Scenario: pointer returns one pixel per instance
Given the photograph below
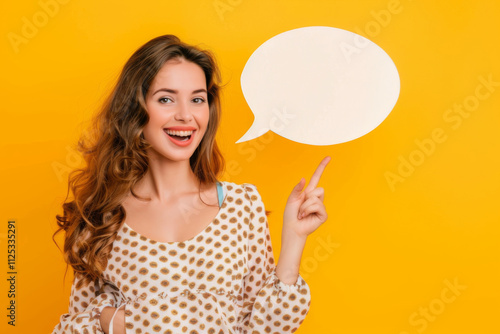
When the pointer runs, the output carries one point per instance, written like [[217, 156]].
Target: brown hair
[[115, 154]]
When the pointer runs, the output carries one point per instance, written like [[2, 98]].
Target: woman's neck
[[166, 179]]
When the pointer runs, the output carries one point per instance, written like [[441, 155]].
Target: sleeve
[[269, 305], [85, 306]]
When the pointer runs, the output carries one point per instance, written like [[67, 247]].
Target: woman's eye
[[198, 100], [164, 99]]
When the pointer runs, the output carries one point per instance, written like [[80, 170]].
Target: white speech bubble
[[319, 86]]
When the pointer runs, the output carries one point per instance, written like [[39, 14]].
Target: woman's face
[[178, 110]]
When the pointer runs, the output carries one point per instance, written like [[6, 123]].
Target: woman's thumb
[[298, 187]]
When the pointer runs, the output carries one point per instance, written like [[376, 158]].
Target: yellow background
[[386, 253]]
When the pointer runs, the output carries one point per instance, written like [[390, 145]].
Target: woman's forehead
[[180, 75]]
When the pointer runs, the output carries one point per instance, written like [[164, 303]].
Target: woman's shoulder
[[248, 190], [239, 187]]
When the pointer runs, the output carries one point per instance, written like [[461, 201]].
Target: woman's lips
[[181, 143]]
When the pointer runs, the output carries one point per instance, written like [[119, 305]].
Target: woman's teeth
[[181, 135]]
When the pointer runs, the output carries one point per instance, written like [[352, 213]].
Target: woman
[[136, 232]]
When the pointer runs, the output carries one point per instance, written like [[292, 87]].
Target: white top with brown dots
[[221, 281]]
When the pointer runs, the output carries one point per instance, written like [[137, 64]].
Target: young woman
[[157, 243]]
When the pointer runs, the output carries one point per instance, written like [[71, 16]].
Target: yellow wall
[[412, 205]]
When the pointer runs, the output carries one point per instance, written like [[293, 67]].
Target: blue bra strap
[[220, 193]]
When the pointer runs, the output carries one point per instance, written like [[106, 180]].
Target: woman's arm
[[304, 213], [86, 306], [118, 320], [269, 304], [288, 265]]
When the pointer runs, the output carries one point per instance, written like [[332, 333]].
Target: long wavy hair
[[115, 156]]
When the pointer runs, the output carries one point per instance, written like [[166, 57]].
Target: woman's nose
[[183, 112]]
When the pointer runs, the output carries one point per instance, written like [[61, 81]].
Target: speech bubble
[[319, 86]]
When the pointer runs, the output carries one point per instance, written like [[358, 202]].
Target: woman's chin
[[170, 156]]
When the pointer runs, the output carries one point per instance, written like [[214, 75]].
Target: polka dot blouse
[[221, 281]]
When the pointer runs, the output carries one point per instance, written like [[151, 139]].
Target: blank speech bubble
[[319, 86]]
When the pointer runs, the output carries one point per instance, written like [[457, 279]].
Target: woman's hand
[[305, 211], [118, 321]]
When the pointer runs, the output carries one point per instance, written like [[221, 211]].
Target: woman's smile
[[180, 138]]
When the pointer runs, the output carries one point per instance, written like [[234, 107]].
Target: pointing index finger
[[317, 174]]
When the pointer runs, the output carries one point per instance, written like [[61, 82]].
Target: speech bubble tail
[[255, 131]]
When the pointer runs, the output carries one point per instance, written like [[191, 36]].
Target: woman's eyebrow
[[173, 91]]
